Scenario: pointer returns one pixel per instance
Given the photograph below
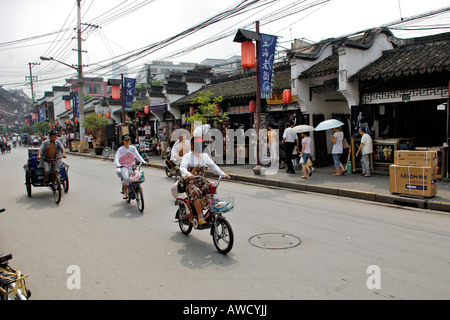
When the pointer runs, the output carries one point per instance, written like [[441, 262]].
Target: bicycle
[[135, 188], [12, 282], [57, 181], [109, 153]]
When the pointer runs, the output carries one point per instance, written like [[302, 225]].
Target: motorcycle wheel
[[168, 173], [222, 235], [185, 225]]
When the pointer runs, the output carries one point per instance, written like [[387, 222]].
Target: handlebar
[[2, 210], [133, 166], [206, 181]]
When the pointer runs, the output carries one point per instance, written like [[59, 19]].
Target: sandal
[[201, 221], [303, 177], [336, 174]]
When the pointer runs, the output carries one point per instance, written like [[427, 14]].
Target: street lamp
[[80, 93]]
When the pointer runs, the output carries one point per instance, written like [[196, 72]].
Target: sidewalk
[[374, 188]]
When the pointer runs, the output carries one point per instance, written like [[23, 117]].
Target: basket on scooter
[[221, 203]]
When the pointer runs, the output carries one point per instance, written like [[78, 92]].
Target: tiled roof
[[240, 87], [328, 66], [408, 61]]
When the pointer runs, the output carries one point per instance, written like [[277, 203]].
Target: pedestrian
[[337, 137], [366, 150], [163, 142], [290, 141], [305, 155], [272, 136]]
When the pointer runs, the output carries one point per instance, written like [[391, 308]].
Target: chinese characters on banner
[[130, 85], [42, 114], [267, 56], [76, 108]]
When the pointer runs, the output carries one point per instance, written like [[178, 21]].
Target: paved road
[[121, 254]]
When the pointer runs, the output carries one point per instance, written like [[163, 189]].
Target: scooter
[[171, 168], [221, 230]]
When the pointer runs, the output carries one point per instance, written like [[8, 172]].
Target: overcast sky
[[127, 25]]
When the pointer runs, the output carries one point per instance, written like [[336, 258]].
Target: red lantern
[[108, 115], [68, 105], [252, 106], [248, 55], [287, 96], [115, 90], [76, 121], [192, 110], [146, 110], [217, 109]]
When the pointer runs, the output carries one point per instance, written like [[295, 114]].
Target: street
[[119, 253]]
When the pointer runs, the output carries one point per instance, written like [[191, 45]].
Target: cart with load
[[34, 176]]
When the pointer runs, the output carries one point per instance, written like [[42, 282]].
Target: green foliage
[[28, 129], [42, 127], [206, 111], [93, 122]]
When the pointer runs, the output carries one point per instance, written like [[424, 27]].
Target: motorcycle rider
[[49, 154], [125, 158], [194, 163]]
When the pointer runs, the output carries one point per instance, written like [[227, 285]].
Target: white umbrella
[[201, 130], [329, 124], [302, 128]]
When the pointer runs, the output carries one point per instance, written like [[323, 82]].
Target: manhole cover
[[274, 241]]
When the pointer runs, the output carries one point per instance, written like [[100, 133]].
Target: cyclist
[[125, 158], [194, 163], [50, 153]]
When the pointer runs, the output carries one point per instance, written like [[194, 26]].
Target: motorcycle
[[221, 230], [171, 168]]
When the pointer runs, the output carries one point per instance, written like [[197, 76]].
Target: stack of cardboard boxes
[[414, 173]]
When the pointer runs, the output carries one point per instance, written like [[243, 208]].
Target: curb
[[393, 199]]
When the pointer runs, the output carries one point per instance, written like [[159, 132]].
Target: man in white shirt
[[366, 148], [290, 140]]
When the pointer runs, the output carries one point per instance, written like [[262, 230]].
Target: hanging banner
[[267, 56], [130, 85], [76, 105], [42, 114]]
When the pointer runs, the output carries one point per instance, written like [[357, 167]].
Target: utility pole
[[31, 64], [257, 168], [80, 74]]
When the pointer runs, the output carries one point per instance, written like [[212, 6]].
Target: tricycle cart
[[34, 176]]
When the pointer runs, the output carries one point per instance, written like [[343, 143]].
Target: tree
[[206, 111], [42, 127], [94, 123]]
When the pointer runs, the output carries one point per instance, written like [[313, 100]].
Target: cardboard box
[[413, 180], [416, 158]]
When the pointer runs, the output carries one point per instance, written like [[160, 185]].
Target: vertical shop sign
[[267, 56], [130, 85]]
